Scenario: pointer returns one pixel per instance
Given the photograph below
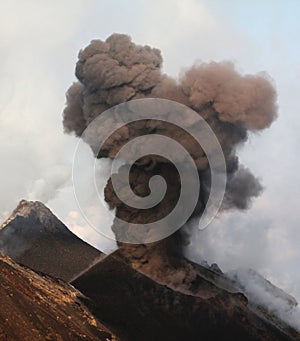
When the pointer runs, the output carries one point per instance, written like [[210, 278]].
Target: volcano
[[135, 296], [35, 237]]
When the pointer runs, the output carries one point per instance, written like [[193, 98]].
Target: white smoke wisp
[[237, 249], [47, 187], [261, 292], [91, 220]]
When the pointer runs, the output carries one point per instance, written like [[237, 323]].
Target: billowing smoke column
[[117, 70]]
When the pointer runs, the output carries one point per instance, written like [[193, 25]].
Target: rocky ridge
[[35, 237]]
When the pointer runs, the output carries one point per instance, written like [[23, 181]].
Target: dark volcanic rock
[[34, 237], [37, 308], [136, 307]]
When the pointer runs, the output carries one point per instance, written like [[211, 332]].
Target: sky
[[40, 41]]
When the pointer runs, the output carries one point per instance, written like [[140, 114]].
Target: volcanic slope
[[38, 307], [143, 309], [35, 237]]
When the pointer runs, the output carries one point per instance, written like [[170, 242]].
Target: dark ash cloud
[[116, 70]]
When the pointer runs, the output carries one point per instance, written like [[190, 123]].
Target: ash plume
[[116, 70]]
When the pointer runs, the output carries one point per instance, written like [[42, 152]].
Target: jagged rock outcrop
[[33, 236], [36, 307]]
